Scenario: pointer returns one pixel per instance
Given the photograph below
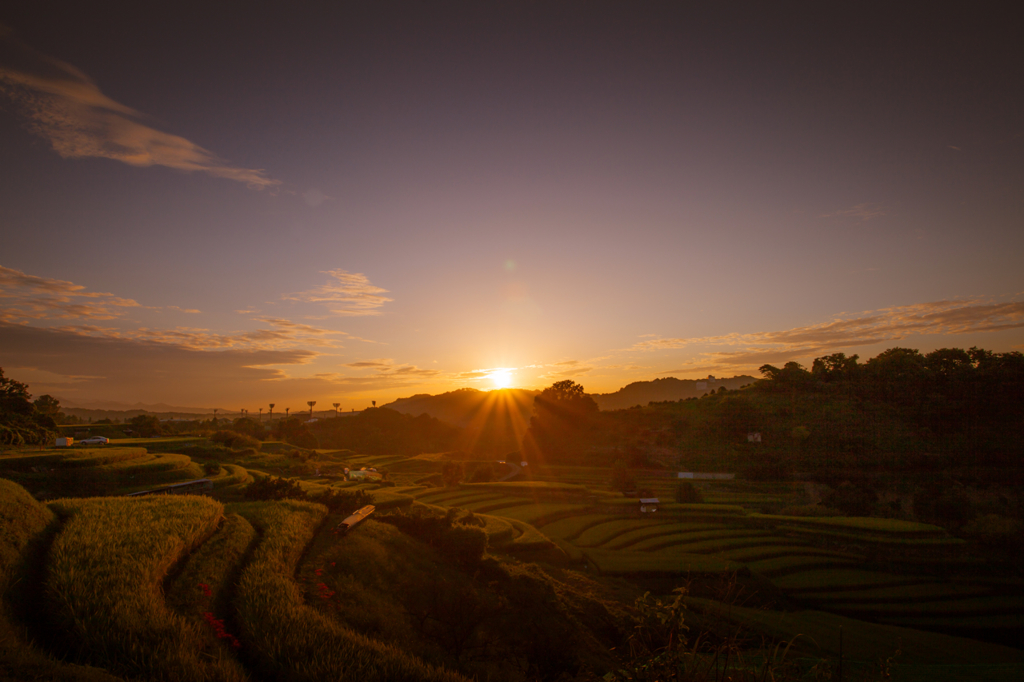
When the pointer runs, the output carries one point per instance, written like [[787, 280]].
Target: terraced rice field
[[237, 565], [818, 561], [232, 606]]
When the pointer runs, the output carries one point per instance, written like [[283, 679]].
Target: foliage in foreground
[[105, 569], [337, 501], [292, 641]]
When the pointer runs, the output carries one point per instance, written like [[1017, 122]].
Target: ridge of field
[[933, 591], [877, 538], [570, 527], [624, 562], [813, 581], [870, 525], [715, 544], [103, 586], [649, 538], [783, 548], [24, 527], [603, 533], [70, 458], [995, 605], [291, 640], [214, 564], [541, 513], [945, 657]]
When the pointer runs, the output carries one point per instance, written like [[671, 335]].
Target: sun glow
[[502, 378]]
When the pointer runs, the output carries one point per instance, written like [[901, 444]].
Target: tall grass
[[213, 565], [289, 640], [104, 586]]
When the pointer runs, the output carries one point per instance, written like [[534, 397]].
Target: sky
[[225, 205]]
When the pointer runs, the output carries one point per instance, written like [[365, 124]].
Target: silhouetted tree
[[562, 420]]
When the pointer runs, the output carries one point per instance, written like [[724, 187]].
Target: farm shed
[[648, 505], [65, 441]]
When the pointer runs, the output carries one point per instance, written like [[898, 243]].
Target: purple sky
[[228, 207]]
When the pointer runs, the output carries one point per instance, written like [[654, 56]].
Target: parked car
[[94, 440]]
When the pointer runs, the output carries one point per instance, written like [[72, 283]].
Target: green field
[[184, 588]]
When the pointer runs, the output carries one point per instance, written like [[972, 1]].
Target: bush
[[482, 474], [235, 440], [274, 488], [687, 493], [992, 529], [452, 473], [851, 500], [621, 478], [337, 501], [464, 543], [946, 505], [768, 468]]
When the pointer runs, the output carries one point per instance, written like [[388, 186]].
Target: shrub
[[687, 493], [235, 440], [337, 501], [211, 468], [621, 478], [452, 473], [768, 468], [274, 488], [482, 474], [851, 500], [465, 544], [992, 529]]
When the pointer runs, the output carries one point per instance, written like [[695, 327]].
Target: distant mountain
[[111, 406], [660, 390]]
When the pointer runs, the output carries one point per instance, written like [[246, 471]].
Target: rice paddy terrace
[[881, 570], [191, 588]]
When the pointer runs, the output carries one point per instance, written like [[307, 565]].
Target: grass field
[[103, 587], [295, 642], [247, 560], [612, 562]]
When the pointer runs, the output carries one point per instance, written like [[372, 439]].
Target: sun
[[502, 378]]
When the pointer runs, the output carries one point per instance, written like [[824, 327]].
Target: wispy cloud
[[66, 108], [350, 293], [29, 297], [861, 329], [386, 367], [565, 370], [863, 212]]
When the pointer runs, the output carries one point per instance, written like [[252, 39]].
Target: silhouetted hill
[[669, 388], [464, 406], [494, 420]]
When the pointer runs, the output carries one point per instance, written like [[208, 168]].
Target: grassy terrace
[[843, 579], [612, 562], [571, 527], [723, 538], [105, 568], [873, 526]]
